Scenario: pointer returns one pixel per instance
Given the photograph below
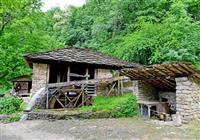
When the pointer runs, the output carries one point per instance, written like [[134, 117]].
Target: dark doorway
[[58, 73]]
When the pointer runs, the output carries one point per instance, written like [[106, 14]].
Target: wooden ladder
[[90, 89]]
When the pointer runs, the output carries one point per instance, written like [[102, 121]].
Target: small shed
[[22, 85], [172, 89]]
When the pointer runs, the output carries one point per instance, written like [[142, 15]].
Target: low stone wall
[[187, 99], [66, 116]]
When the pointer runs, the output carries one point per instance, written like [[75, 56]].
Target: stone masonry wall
[[187, 99], [145, 92], [103, 73], [39, 77]]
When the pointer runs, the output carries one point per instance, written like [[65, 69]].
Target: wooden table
[[149, 104]]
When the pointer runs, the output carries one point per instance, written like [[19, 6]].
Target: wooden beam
[[178, 66], [93, 81], [111, 89], [68, 73], [87, 73], [59, 102]]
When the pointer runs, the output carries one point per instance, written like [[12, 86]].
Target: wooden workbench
[[161, 107]]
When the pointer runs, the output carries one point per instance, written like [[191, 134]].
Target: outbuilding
[[170, 89]]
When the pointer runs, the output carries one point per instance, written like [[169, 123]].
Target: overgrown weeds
[[119, 106]]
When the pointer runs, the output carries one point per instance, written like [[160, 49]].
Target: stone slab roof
[[79, 55]]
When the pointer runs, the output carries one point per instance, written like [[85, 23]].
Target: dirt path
[[100, 129]]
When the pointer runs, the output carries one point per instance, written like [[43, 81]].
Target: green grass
[[12, 118], [119, 106]]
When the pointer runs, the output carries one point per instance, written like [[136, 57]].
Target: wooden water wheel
[[69, 98]]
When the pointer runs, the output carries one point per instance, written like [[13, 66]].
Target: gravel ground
[[97, 129]]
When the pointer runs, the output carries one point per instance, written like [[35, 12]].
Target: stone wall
[[103, 73], [67, 115], [39, 77], [187, 99], [145, 91]]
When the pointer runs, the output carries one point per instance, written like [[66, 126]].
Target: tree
[[26, 31]]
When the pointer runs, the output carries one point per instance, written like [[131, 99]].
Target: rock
[[2, 117]]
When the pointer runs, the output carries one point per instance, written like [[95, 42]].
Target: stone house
[[74, 64], [21, 86], [167, 88]]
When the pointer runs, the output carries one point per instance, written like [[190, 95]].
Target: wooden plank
[[78, 99], [93, 81], [154, 84], [165, 70], [161, 84], [111, 89], [78, 75], [83, 102], [68, 73], [177, 66], [59, 102]]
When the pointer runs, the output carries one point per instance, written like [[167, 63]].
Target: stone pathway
[[97, 129]]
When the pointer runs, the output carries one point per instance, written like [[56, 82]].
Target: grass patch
[[12, 118], [119, 106]]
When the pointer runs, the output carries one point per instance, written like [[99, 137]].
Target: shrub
[[127, 108], [9, 104], [119, 106]]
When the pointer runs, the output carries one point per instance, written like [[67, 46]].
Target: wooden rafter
[[163, 75]]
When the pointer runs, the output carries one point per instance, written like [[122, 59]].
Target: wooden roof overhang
[[163, 75]]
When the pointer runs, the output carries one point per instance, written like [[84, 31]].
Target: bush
[[9, 104], [128, 108], [119, 106]]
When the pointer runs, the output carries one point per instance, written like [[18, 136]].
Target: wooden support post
[[48, 74], [122, 88], [87, 73], [68, 73], [118, 87], [47, 100], [141, 109], [149, 111], [83, 96]]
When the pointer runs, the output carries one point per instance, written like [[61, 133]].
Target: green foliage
[[127, 108], [119, 106], [145, 31], [24, 28], [9, 105]]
